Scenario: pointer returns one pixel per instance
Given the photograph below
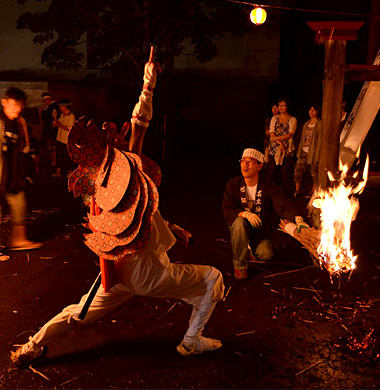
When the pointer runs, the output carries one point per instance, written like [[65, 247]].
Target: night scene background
[[221, 73]]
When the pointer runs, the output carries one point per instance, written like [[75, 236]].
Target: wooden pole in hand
[[151, 54], [105, 275]]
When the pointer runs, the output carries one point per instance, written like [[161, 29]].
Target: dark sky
[[258, 54], [16, 46], [18, 51]]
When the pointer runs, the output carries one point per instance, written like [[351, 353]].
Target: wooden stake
[[288, 272], [306, 369], [39, 373], [70, 380], [242, 334], [171, 308], [228, 291]]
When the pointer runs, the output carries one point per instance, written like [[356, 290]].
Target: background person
[[49, 114], [64, 124], [309, 149], [24, 133], [33, 157], [282, 129], [250, 205], [12, 168], [274, 111]]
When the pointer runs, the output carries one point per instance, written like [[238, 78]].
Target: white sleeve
[[292, 125], [71, 121], [143, 111], [272, 123]]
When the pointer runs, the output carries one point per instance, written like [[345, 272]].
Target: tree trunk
[[335, 53]]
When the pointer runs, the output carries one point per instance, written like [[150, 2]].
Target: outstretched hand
[[301, 224], [150, 75]]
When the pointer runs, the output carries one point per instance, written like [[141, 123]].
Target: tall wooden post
[[373, 32], [335, 56], [334, 35]]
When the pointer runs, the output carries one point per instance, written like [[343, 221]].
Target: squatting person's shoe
[[26, 354], [200, 345], [241, 273]]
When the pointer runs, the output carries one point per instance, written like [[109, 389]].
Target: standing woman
[[274, 111], [309, 148], [282, 129]]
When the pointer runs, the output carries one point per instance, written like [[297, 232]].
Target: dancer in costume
[[129, 235]]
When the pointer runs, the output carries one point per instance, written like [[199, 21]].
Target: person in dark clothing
[[49, 115], [33, 157], [250, 205], [12, 172]]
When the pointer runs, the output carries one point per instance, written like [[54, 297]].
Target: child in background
[[64, 124]]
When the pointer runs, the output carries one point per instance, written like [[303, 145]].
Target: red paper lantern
[[258, 16]]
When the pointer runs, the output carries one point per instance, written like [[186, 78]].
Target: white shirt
[[68, 121], [251, 192], [292, 124]]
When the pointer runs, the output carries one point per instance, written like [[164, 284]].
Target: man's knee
[[215, 276], [239, 223], [264, 251], [215, 284], [70, 314], [239, 227]]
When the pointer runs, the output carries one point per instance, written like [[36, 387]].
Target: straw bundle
[[309, 238]]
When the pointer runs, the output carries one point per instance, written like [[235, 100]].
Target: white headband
[[254, 154]]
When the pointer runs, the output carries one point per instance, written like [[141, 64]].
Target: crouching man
[[250, 205]]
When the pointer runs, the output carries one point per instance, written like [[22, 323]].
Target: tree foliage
[[119, 33]]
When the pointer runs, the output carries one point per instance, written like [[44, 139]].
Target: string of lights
[[307, 10]]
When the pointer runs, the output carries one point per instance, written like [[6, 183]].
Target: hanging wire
[[302, 9]]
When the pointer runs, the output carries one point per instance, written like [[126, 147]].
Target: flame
[[338, 207]]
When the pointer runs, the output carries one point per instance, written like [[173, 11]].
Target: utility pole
[[334, 34]]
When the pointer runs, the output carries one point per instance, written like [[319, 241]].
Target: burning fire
[[338, 208]]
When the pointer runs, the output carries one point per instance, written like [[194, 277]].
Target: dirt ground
[[286, 327]]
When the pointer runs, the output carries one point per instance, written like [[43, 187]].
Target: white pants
[[151, 275], [17, 207]]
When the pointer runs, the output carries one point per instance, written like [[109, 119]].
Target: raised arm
[[143, 110]]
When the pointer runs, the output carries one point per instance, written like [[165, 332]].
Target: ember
[[355, 345], [363, 346]]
